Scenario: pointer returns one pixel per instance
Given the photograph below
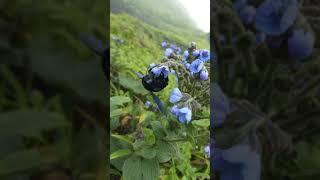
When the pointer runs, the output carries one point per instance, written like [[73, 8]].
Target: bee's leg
[[139, 75], [158, 102]]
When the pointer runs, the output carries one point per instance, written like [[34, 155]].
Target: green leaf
[[10, 144], [122, 138], [308, 157], [132, 84], [164, 151], [18, 90], [158, 129], [30, 122], [114, 123], [20, 161], [116, 145], [89, 150], [119, 100], [201, 123], [137, 168], [203, 175], [147, 152], [138, 144], [149, 137], [116, 112], [150, 169], [132, 169], [120, 153], [63, 68], [147, 116]]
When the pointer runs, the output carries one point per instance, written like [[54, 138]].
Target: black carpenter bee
[[154, 83]]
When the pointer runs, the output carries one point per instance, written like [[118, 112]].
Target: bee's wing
[[94, 44]]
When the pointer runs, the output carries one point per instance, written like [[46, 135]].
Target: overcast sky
[[199, 11]]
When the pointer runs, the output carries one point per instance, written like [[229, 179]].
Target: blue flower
[[172, 46], [168, 52], [147, 104], [187, 65], [247, 14], [207, 150], [160, 69], [204, 55], [184, 115], [175, 110], [184, 62], [172, 71], [164, 44], [175, 96], [196, 66], [185, 54], [195, 53], [301, 44], [238, 162], [274, 17], [178, 50], [220, 106], [204, 75]]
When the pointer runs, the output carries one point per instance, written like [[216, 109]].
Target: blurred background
[[52, 90], [271, 65]]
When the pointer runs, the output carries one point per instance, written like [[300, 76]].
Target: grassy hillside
[[167, 15], [142, 41]]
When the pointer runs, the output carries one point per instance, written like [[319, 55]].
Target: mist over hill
[[169, 15]]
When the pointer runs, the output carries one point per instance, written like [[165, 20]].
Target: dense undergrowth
[[52, 95], [147, 143]]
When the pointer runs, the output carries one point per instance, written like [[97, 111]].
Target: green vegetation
[[146, 144]]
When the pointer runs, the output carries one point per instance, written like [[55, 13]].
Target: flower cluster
[[191, 73], [170, 49], [280, 24], [194, 60], [180, 110]]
